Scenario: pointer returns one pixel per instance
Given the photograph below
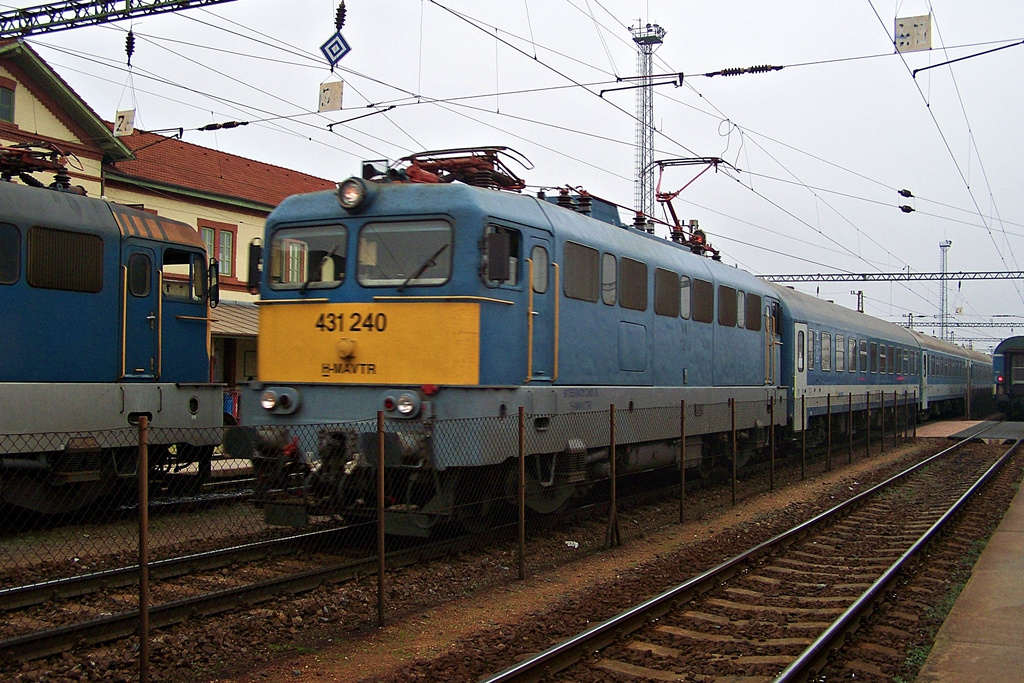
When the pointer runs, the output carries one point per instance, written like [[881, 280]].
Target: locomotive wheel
[[475, 496]]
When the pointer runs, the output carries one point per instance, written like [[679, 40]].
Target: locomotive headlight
[[408, 404], [351, 194], [268, 400]]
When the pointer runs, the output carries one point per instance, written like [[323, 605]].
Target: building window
[[220, 244], [6, 104]]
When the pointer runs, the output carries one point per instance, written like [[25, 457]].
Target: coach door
[[140, 321], [541, 323], [799, 374]]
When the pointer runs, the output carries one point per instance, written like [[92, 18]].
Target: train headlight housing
[[354, 194], [268, 400], [407, 404], [281, 400]]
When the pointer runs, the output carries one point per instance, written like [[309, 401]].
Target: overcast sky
[[821, 146]]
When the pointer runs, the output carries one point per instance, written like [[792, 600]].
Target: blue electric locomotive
[[437, 302], [1008, 377], [104, 316]]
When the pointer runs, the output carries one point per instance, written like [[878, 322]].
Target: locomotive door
[[140, 325], [799, 375], [541, 359]]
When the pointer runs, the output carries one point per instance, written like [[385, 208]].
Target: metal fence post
[[881, 411], [380, 518], [803, 437], [732, 413], [828, 446], [522, 493], [915, 413], [143, 471], [895, 419], [849, 425], [771, 425], [612, 538], [867, 412], [682, 458]]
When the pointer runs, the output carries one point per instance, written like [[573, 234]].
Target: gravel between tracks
[[448, 619]]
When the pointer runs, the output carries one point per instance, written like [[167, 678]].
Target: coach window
[[666, 292], [741, 309], [61, 259], [840, 353], [184, 275], [609, 279], [863, 355], [753, 312], [874, 357], [892, 360], [906, 362], [881, 359], [412, 253], [810, 349], [307, 258], [514, 240], [726, 306], [684, 297], [10, 254], [581, 273], [826, 351], [140, 274], [800, 351], [851, 356]]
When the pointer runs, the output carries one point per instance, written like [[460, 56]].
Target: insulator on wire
[[906, 209], [905, 193], [339, 19], [129, 45]]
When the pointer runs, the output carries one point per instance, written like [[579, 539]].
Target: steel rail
[[569, 652]]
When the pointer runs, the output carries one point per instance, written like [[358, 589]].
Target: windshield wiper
[[325, 259], [423, 266]]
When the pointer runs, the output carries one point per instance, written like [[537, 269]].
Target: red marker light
[[389, 404], [999, 379]]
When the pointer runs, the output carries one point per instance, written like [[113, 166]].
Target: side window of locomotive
[[753, 312], [10, 254], [666, 292], [703, 301], [826, 351], [65, 260], [726, 306], [140, 275], [840, 353], [581, 272], [634, 284], [184, 275], [741, 309], [609, 279], [312, 258], [402, 254], [684, 297], [514, 241], [539, 256], [800, 346]]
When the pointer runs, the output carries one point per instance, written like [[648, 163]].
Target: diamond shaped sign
[[335, 48]]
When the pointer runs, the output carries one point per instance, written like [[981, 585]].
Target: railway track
[[776, 611]]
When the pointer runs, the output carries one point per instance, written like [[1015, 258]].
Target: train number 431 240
[[356, 322]]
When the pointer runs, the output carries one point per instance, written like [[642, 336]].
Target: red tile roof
[[176, 163]]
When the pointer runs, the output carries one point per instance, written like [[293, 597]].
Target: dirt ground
[[431, 633]]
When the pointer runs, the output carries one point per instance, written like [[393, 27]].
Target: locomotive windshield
[[400, 254], [302, 258]]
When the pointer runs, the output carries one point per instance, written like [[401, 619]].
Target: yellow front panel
[[372, 343]]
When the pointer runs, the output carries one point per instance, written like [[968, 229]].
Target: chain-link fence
[[345, 491]]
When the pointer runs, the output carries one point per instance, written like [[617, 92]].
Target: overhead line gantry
[[60, 16]]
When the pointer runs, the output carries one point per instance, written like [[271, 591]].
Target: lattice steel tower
[[943, 312], [647, 38]]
